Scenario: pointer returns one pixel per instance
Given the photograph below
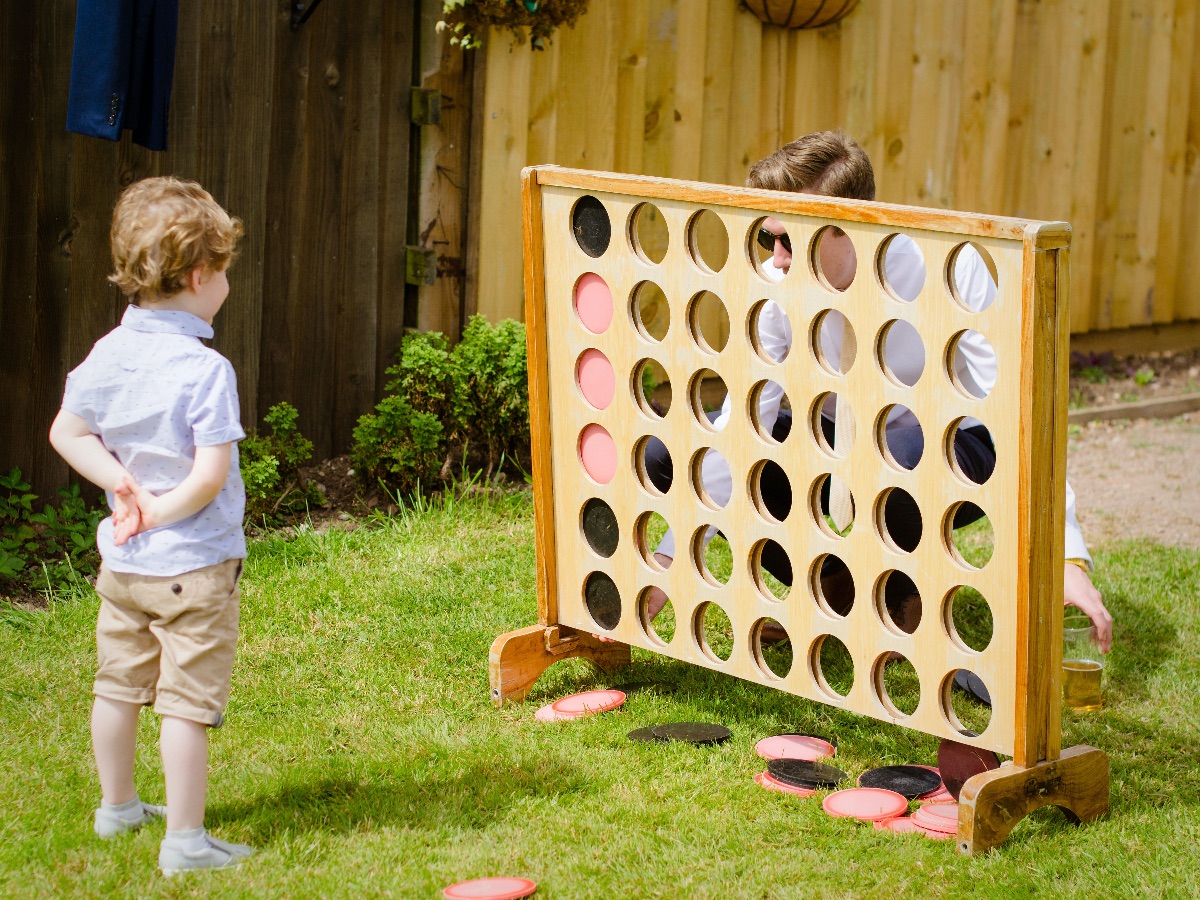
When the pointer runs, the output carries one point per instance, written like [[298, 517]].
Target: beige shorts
[[169, 640]]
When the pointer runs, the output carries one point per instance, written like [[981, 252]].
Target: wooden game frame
[[1025, 496]]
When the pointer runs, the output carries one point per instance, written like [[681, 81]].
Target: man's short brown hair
[[163, 229], [822, 162]]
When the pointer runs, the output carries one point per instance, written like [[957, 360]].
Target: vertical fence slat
[[895, 100], [659, 123], [1187, 300], [746, 144], [718, 102], [691, 26], [632, 24]]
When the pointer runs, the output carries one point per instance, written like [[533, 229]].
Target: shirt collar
[[166, 321]]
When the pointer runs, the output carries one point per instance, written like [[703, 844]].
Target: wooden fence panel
[[1083, 110]]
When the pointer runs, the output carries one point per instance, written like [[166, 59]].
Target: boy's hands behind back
[[131, 510]]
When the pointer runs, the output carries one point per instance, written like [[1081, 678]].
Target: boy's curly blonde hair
[[163, 229]]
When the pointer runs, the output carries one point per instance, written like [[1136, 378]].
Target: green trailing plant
[[46, 550], [270, 466], [469, 20]]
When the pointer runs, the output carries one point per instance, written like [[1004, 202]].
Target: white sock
[[192, 839]]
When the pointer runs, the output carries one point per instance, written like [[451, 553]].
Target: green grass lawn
[[362, 756]]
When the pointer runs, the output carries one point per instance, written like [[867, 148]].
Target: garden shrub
[[443, 401], [46, 550], [270, 466]]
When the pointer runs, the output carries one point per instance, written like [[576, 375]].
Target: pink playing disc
[[490, 889], [898, 824], [942, 817], [594, 375], [549, 714], [794, 746], [866, 804], [588, 702], [598, 453], [764, 779], [939, 794], [593, 303]]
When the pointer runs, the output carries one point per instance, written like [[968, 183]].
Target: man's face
[[781, 257]]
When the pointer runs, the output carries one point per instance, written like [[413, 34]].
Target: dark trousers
[[972, 448]]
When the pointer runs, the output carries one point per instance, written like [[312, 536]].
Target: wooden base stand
[[992, 803], [517, 659]]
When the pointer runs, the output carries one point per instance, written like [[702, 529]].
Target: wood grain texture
[[518, 658], [992, 803], [1023, 499]]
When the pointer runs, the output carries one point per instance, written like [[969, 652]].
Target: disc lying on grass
[[588, 702], [794, 746], [960, 762], [549, 714], [806, 774], [910, 781], [939, 817], [692, 732], [866, 804], [645, 735], [490, 889], [939, 793], [764, 779]]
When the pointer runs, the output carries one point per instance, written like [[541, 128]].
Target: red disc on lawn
[[764, 779], [959, 762], [490, 889], [794, 746], [898, 824], [549, 714], [588, 702], [941, 817], [865, 804]]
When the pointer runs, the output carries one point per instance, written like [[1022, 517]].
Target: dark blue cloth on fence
[[122, 68]]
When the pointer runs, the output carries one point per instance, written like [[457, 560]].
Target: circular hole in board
[[968, 618], [898, 520], [595, 377], [969, 535], [900, 267], [897, 685], [593, 302], [971, 364], [771, 569], [770, 491], [650, 311], [707, 392], [833, 259], [823, 491], [708, 241], [833, 342], [708, 467], [769, 331], [648, 233], [983, 463], [649, 531], [832, 666], [772, 648], [652, 465], [972, 277], [603, 600], [965, 713], [899, 437], [770, 393], [769, 246], [714, 632], [826, 410], [591, 226], [898, 602], [658, 622], [651, 386], [708, 322], [900, 353], [832, 585], [599, 526], [713, 557]]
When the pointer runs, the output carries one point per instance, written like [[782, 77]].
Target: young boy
[[151, 416]]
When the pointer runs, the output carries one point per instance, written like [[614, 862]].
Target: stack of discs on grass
[[800, 777], [867, 804], [938, 820], [795, 746], [576, 706], [938, 794], [912, 782]]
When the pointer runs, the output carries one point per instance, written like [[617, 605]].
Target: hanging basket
[[800, 13]]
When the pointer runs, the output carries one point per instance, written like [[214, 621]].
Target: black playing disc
[[960, 762], [692, 732], [635, 687], [911, 781], [645, 735], [590, 222], [802, 773], [972, 685]]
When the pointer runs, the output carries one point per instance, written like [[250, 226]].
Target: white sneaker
[[110, 822], [176, 856]]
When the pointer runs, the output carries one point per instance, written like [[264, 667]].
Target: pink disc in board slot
[[588, 702], [794, 746], [594, 375], [598, 453], [593, 303], [490, 889], [865, 804]]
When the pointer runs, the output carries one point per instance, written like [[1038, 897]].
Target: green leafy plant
[[270, 466], [1094, 375], [492, 397], [45, 550], [468, 20], [397, 445], [1144, 376]]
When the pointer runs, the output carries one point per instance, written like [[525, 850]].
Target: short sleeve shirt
[[153, 393]]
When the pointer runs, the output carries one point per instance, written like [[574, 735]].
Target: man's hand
[[1078, 591]]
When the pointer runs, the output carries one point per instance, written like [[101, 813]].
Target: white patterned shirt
[[153, 393]]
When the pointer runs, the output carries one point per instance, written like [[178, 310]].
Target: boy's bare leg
[[184, 747], [114, 743]]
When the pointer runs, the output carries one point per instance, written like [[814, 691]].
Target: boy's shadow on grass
[[427, 793]]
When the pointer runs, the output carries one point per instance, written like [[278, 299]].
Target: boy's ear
[[196, 279]]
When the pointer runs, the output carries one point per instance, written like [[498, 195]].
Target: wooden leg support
[[992, 803], [517, 659]]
